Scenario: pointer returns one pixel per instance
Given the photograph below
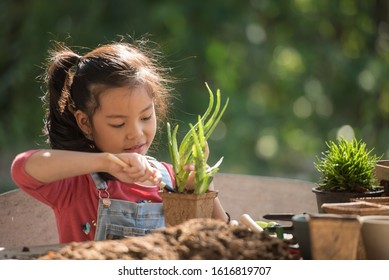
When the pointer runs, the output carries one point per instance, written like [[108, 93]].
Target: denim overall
[[119, 218]]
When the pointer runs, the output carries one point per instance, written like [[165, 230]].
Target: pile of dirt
[[197, 239]]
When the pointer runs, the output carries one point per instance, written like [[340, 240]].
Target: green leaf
[[347, 166], [192, 149]]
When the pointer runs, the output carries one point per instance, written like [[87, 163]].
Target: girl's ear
[[83, 123]]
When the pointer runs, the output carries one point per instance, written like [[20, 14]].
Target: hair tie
[[77, 62]]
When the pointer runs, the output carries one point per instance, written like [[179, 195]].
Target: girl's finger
[[190, 181], [189, 167], [206, 150], [156, 177], [146, 178], [137, 174]]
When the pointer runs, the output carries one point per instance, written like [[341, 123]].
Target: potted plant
[[347, 171], [181, 204]]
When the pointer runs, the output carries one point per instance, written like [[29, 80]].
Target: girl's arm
[[48, 166], [218, 210]]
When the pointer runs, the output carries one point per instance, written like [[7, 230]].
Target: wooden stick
[[123, 164], [117, 160]]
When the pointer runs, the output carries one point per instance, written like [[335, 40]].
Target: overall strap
[[102, 188], [100, 183]]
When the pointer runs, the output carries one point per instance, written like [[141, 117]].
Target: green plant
[[192, 149], [347, 166]]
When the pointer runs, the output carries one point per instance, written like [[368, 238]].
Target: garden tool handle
[[250, 223], [123, 164], [279, 216]]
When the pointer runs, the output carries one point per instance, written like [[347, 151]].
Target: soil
[[196, 239]]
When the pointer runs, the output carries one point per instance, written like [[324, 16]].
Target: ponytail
[[60, 126], [59, 77]]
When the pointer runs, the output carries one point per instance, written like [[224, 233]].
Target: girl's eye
[[117, 125], [147, 118]]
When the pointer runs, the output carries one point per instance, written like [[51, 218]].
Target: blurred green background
[[297, 73]]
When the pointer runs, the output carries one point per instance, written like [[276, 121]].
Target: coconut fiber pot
[[180, 207], [375, 235]]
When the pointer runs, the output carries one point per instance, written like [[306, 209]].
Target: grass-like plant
[[192, 149], [347, 166]]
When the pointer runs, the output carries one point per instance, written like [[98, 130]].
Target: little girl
[[104, 105]]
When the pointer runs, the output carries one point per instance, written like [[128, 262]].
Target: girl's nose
[[134, 131]]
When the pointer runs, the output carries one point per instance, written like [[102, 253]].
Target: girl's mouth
[[135, 149]]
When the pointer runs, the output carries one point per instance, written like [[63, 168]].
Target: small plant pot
[[383, 200], [180, 207], [340, 197], [375, 234], [361, 208], [334, 237]]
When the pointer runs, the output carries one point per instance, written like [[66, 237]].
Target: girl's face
[[125, 121]]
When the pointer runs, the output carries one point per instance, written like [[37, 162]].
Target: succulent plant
[[192, 149]]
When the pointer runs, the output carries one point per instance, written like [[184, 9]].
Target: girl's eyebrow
[[124, 116]]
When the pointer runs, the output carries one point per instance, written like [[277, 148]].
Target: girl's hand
[[190, 184], [133, 167]]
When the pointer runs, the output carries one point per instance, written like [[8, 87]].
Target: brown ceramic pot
[[340, 197]]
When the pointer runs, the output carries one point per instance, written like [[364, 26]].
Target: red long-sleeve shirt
[[75, 200]]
